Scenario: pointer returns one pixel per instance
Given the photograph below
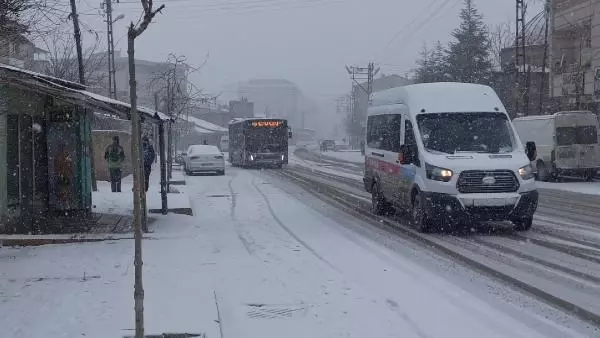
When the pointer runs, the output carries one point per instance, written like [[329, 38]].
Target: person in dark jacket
[[149, 158], [115, 156]]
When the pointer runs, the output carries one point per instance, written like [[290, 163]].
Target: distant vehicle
[[447, 153], [179, 158], [566, 143], [224, 143], [328, 145], [258, 142], [304, 136], [202, 158]]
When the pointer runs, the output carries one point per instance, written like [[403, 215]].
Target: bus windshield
[[266, 140]]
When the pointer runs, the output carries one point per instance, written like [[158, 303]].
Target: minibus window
[[383, 132]]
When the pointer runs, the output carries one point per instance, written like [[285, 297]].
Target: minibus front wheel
[[420, 219]]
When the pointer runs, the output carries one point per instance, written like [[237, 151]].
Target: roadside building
[[45, 142], [575, 53]]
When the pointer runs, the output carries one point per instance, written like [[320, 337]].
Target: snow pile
[[347, 156], [589, 188]]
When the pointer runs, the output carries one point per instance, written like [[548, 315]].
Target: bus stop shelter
[[45, 160]]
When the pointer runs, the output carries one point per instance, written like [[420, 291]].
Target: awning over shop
[[72, 91]]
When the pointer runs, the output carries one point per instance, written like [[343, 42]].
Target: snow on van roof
[[442, 97], [203, 149]]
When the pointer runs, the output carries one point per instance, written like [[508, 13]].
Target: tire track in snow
[[233, 198], [248, 243], [284, 227]]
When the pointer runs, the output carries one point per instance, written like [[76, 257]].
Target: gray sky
[[305, 41]]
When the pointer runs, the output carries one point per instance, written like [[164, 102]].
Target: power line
[[414, 20]]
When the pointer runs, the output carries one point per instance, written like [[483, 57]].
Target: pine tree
[[432, 66], [468, 56]]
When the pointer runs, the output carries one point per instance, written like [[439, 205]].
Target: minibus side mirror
[[531, 150], [407, 154], [290, 135]]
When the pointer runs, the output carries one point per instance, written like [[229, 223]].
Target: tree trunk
[[138, 293]]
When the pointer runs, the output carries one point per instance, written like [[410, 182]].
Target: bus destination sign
[[267, 124]]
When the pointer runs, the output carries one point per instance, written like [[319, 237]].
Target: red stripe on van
[[383, 166]]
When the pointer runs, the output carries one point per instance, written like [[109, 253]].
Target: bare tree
[[501, 37], [178, 96], [134, 31], [62, 61]]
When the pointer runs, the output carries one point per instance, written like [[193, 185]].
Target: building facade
[[17, 50], [504, 82], [272, 98], [575, 53], [149, 77]]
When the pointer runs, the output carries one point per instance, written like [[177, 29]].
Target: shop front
[[46, 151], [44, 162]]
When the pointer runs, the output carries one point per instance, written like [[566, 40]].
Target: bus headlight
[[282, 157], [251, 157]]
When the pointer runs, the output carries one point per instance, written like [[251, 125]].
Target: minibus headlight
[[526, 172], [251, 157], [438, 174]]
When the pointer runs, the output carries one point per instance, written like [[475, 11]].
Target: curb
[[54, 240]]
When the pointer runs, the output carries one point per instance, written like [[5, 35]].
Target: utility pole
[[521, 60], [360, 74], [77, 34], [551, 54], [112, 82], [545, 58], [580, 80], [81, 70]]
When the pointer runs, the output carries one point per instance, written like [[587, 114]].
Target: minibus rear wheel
[[379, 205]]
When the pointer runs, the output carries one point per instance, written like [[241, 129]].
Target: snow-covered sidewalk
[[121, 203], [259, 259]]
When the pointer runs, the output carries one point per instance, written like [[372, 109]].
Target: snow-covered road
[[263, 258], [558, 259]]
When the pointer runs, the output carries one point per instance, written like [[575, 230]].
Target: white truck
[[566, 143]]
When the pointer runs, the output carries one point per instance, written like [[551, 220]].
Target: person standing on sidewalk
[[115, 156], [149, 158]]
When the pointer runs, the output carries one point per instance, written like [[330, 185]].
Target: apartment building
[[575, 53]]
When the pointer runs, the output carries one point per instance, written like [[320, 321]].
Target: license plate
[[490, 202], [207, 164]]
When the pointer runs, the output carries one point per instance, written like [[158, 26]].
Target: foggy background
[[307, 42]]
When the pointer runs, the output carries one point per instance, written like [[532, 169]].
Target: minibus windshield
[[452, 133]]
